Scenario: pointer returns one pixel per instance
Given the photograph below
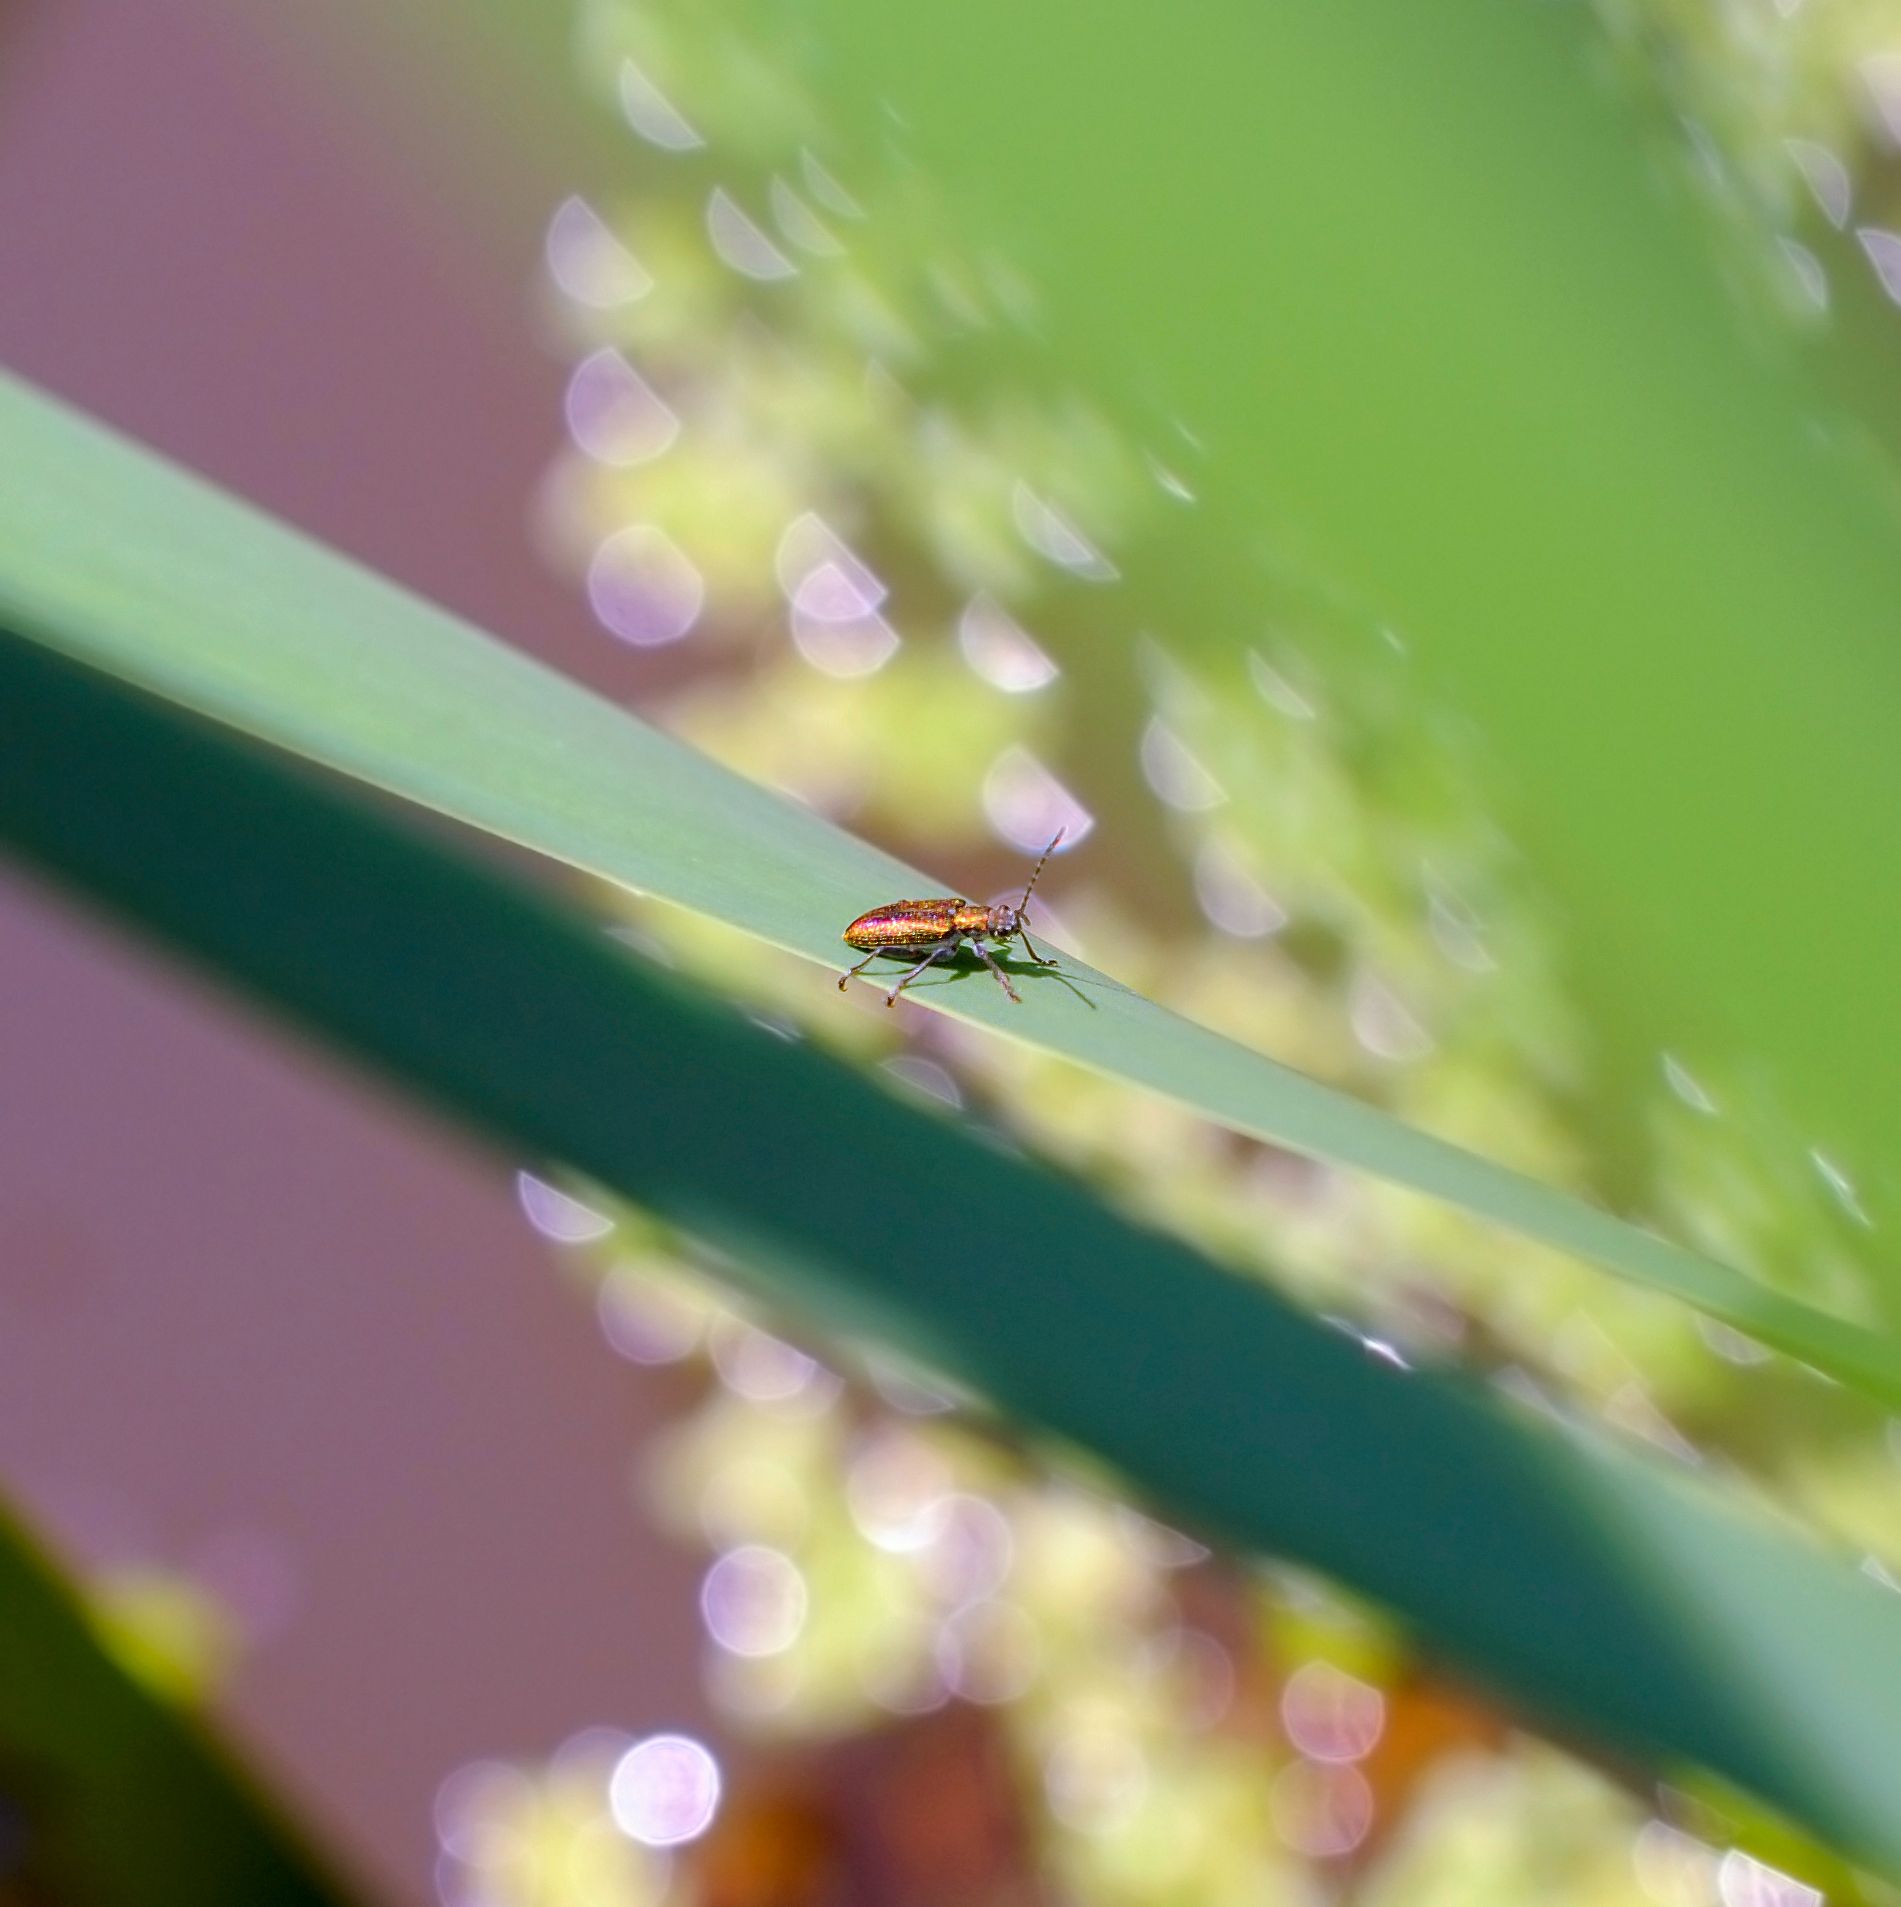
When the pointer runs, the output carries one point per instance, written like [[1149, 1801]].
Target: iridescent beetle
[[936, 929]]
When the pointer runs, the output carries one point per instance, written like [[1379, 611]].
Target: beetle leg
[[861, 966], [930, 959], [1003, 979], [1042, 960]]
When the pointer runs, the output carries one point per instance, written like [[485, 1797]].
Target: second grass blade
[[1599, 1591]]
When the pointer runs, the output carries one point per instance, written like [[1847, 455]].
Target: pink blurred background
[[257, 1320]]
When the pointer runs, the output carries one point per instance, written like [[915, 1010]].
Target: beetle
[[937, 928]]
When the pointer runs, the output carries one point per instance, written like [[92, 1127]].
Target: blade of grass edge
[[1602, 1591], [116, 557], [111, 1795]]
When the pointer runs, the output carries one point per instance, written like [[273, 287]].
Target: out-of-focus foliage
[[169, 1631], [896, 550], [1791, 109], [112, 1792], [544, 1838]]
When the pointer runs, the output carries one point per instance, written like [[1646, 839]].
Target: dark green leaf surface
[[120, 559], [1600, 1591]]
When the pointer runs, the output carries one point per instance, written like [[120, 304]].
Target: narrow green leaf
[[117, 557], [1603, 1592], [109, 1795]]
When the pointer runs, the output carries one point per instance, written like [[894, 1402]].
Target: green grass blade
[[1603, 1593], [122, 560], [110, 1795]]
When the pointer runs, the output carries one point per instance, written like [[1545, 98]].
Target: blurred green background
[[1437, 299]]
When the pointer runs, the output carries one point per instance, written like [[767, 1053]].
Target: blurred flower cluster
[[863, 543], [1792, 116]]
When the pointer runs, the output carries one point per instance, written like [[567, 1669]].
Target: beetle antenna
[[1038, 869]]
